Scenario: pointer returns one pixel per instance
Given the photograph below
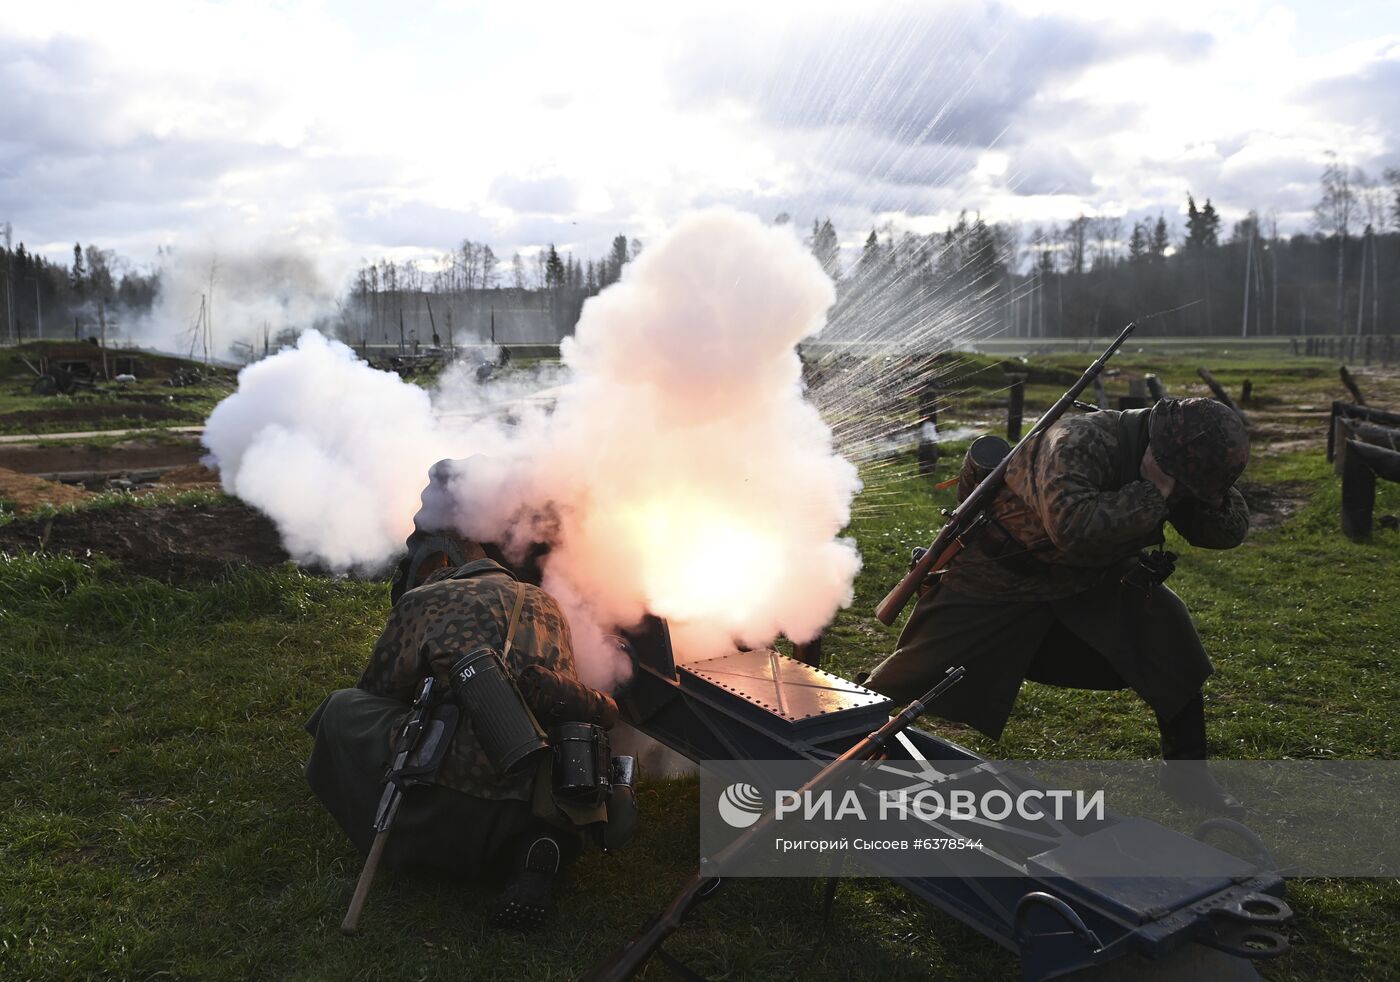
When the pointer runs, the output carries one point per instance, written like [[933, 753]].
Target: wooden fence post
[[1350, 383], [1015, 409], [1218, 389]]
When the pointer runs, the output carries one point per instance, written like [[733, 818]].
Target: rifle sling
[[514, 619]]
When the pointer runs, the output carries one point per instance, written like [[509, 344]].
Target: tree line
[[551, 283], [1084, 277], [48, 299], [1092, 274]]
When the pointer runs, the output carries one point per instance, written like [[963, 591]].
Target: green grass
[[120, 405], [154, 821]]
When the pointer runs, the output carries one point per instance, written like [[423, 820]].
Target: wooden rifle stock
[[962, 519]]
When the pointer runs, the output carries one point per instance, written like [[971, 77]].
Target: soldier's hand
[[1152, 471]]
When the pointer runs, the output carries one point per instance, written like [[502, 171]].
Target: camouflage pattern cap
[[1202, 443]]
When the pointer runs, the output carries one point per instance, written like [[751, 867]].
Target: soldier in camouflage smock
[[454, 612], [1052, 589], [469, 816]]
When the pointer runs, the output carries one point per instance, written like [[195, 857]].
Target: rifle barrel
[[888, 610]]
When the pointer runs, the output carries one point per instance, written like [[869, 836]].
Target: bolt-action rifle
[[970, 515], [411, 734], [627, 962]]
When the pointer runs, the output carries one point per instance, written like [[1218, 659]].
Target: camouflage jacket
[[1074, 506], [456, 610]]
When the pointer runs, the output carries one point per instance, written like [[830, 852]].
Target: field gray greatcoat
[[1037, 593]]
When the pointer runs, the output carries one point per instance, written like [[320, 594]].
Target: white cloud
[[367, 130]]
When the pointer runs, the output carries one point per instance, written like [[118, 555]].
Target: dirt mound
[[191, 475], [28, 494], [166, 542], [95, 412]]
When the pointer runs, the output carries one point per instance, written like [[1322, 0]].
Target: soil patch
[[28, 493], [1270, 505], [133, 455], [85, 414], [166, 542], [191, 476]]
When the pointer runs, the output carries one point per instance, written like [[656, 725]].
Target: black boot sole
[[525, 902]]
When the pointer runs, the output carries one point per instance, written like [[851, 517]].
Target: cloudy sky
[[362, 129]]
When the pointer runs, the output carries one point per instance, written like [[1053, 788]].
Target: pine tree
[[77, 276], [617, 258], [984, 259], [867, 270], [1160, 239], [826, 247], [1202, 225], [1138, 243], [554, 275]]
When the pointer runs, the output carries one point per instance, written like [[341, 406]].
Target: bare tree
[[1333, 217], [1107, 231], [1372, 195], [1274, 250], [1076, 236], [7, 232]]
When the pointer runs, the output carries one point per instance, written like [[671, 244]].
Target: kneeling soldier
[[469, 734]]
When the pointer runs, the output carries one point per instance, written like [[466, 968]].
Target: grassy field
[[154, 821], [147, 403]]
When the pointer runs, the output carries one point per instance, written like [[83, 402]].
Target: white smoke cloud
[[681, 472], [246, 290]]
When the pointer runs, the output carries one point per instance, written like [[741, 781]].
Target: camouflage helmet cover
[[1201, 443]]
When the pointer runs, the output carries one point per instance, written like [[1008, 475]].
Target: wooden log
[[1155, 388], [1350, 383], [1361, 465], [1366, 414], [1246, 392], [1362, 431], [1015, 409], [1218, 390]]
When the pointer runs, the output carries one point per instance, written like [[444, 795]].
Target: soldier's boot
[[1184, 775], [528, 896]]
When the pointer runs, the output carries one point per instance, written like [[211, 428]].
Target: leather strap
[[514, 619]]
